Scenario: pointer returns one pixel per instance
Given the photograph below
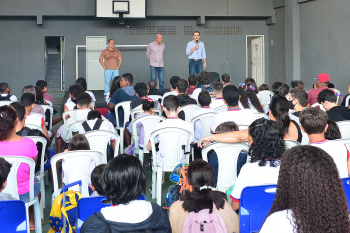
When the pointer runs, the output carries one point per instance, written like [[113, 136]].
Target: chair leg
[[159, 186], [121, 140], [37, 217], [42, 189], [27, 215], [154, 180]]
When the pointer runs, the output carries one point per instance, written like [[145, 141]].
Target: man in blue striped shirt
[[196, 55]]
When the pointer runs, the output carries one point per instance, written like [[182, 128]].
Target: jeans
[[195, 67], [160, 71], [109, 75], [25, 196]]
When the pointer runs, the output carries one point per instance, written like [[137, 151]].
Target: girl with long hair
[[114, 86], [248, 98]]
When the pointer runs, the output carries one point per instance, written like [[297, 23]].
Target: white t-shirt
[[13, 98], [171, 122], [252, 174], [197, 124], [279, 222], [66, 171], [93, 98], [196, 92], [217, 103], [79, 116], [339, 152], [166, 94], [106, 125], [239, 116]]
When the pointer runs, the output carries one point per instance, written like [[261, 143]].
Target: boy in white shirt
[[219, 99], [173, 91]]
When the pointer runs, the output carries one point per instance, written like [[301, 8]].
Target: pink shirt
[[47, 97], [313, 93], [155, 54], [26, 148]]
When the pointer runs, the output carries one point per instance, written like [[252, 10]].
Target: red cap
[[323, 78]]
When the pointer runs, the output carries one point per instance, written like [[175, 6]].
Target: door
[[255, 58], [94, 70], [62, 62]]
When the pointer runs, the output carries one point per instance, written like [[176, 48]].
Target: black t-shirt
[[339, 113]]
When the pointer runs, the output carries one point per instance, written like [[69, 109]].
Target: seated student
[[321, 84], [328, 99], [96, 180], [153, 88], [310, 196], [314, 123], [125, 93], [266, 147], [36, 108], [248, 99], [171, 109], [123, 181], [141, 91], [333, 132], [297, 101], [234, 113], [264, 87], [192, 82], [74, 91], [277, 89], [286, 90], [184, 99], [330, 85], [200, 177], [299, 85], [39, 100], [5, 168], [225, 127], [82, 82], [226, 79], [205, 85], [43, 86], [5, 90], [344, 99], [217, 91], [173, 85], [114, 86]]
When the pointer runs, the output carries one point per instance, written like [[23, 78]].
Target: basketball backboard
[[111, 8]]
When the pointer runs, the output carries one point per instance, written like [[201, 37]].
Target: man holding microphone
[[196, 55]]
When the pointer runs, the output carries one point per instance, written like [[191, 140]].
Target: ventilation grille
[[222, 30], [188, 30], [150, 30]]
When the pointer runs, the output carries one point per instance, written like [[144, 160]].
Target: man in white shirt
[[5, 93], [219, 99], [234, 113], [173, 86]]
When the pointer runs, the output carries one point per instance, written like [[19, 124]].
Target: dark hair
[[27, 99], [299, 85], [313, 120], [128, 77], [173, 81], [204, 98], [5, 168], [268, 143], [299, 94], [326, 95], [78, 142], [192, 80], [20, 109], [96, 177], [171, 102], [252, 82], [39, 94], [147, 105], [84, 100], [82, 82], [196, 32], [152, 84], [123, 179], [278, 88], [225, 78], [93, 114], [247, 92], [227, 126], [264, 87], [279, 107], [75, 90], [309, 186], [203, 78], [109, 40], [41, 83], [114, 85], [333, 131], [218, 87], [199, 174], [286, 89], [141, 89], [330, 85], [231, 96], [182, 85], [3, 87], [8, 118]]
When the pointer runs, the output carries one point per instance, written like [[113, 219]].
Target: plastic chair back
[[291, 143], [126, 109], [78, 165], [31, 126], [71, 113], [260, 115], [5, 102], [347, 101], [338, 94], [206, 120], [99, 139], [135, 112], [156, 99], [265, 96], [344, 127], [345, 141], [45, 107], [13, 216], [255, 204], [188, 109], [317, 105], [221, 108], [227, 154], [34, 119], [49, 102], [243, 127]]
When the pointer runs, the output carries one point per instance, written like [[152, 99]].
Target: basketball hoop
[[121, 8]]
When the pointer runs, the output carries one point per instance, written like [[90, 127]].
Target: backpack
[[58, 212], [208, 88], [203, 222], [5, 98], [97, 125]]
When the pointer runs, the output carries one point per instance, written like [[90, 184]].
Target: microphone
[[196, 41]]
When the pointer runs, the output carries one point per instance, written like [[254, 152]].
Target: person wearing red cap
[[321, 84]]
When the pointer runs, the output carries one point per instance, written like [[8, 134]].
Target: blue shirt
[[199, 53]]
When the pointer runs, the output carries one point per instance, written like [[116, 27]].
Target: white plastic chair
[[99, 139], [338, 94], [31, 126], [347, 101], [344, 127], [78, 165], [12, 187], [155, 99], [173, 154], [227, 154], [148, 122], [34, 119], [243, 127], [265, 96], [221, 108], [317, 105], [345, 141], [188, 109], [5, 102], [260, 115], [135, 112], [49, 102], [126, 108], [45, 107], [72, 130], [71, 114], [291, 143]]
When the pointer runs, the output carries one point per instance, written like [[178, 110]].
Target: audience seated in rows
[[153, 88], [205, 85]]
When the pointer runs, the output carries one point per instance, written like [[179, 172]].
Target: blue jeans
[[109, 75], [195, 67], [25, 196], [160, 71]]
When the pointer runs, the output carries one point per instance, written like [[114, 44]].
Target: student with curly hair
[[310, 196], [248, 98]]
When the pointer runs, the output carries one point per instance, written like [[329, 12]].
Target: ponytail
[[279, 108]]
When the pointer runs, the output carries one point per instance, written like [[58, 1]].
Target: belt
[[196, 59]]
